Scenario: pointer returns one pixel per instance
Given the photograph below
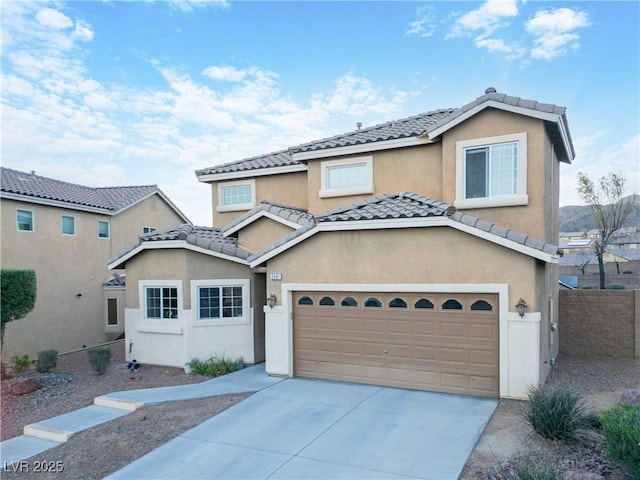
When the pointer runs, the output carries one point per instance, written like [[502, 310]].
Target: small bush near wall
[[213, 367], [621, 426], [616, 286], [21, 364], [627, 272], [47, 360], [99, 357]]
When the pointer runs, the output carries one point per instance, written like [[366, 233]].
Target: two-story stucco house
[[418, 253], [66, 233]]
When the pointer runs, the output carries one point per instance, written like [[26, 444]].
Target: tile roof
[[207, 238], [492, 95], [292, 214], [282, 158], [107, 199], [404, 128], [409, 127], [405, 205]]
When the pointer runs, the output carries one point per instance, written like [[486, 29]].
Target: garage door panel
[[426, 348]]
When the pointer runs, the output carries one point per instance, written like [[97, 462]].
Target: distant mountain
[[579, 218]]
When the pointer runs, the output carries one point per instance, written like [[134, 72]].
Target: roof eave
[[250, 173], [555, 118], [361, 148]]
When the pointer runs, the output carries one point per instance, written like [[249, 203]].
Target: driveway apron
[[301, 428]]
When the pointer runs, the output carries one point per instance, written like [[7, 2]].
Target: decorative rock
[[23, 385], [631, 396]]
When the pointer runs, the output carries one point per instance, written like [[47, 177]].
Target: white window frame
[[519, 198], [108, 229], [142, 291], [33, 220], [210, 322], [236, 206], [367, 188], [106, 312], [62, 217]]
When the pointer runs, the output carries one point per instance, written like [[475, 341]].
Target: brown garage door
[[440, 342]]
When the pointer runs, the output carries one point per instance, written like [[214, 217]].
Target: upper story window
[[161, 302], [68, 225], [236, 196], [492, 172], [103, 229], [147, 229], [352, 176], [24, 220]]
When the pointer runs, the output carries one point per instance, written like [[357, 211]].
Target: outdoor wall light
[[522, 307], [271, 300], [78, 295]]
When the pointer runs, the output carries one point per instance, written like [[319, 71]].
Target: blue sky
[[145, 92]]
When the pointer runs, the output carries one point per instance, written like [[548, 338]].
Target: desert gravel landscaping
[[106, 448]]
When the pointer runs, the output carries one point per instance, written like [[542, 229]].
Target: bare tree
[[581, 259], [609, 209]]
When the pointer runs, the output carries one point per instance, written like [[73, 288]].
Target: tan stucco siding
[[436, 255], [178, 264], [289, 189], [150, 212], [65, 266], [528, 219], [259, 234], [415, 169]]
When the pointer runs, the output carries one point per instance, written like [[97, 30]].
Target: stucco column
[[276, 341]]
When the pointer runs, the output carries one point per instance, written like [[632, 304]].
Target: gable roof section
[[416, 130], [28, 187], [407, 210], [554, 117], [269, 164], [292, 217], [391, 134], [207, 240]]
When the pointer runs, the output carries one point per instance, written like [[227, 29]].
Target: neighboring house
[[394, 255], [67, 233]]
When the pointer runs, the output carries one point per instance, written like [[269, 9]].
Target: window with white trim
[[24, 220], [353, 176], [492, 172], [161, 302], [221, 301], [236, 195], [68, 224], [103, 229]]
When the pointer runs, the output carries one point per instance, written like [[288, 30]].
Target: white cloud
[[49, 17], [426, 23], [486, 19], [188, 6], [554, 31], [229, 74]]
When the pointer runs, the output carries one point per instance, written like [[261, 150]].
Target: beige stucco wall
[[66, 266], [414, 169], [263, 232], [436, 255], [174, 342], [289, 189]]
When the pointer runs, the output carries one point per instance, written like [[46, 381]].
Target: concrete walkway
[[49, 433], [291, 428]]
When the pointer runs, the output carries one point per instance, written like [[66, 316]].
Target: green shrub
[[213, 367], [18, 290], [556, 414], [531, 470], [99, 357], [589, 287], [616, 286], [627, 272], [621, 427], [21, 364], [47, 360]]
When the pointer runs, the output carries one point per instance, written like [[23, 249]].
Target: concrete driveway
[[300, 428]]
